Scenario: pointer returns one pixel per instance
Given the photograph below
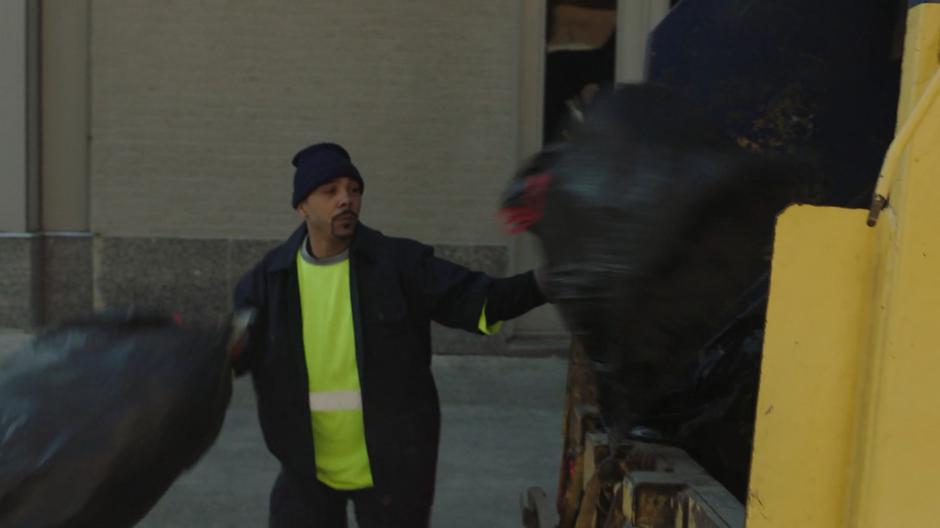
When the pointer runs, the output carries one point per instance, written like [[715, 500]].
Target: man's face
[[332, 209]]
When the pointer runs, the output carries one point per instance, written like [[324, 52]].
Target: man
[[340, 353]]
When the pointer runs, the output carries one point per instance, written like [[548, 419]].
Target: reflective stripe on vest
[[350, 400]]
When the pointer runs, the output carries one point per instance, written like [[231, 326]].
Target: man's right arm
[[250, 293]]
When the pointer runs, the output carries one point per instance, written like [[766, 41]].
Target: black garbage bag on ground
[[98, 417], [656, 228]]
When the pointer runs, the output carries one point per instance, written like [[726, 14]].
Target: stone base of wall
[[44, 279], [194, 278], [18, 291], [47, 279]]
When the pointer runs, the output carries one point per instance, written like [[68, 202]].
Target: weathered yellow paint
[[821, 284], [895, 466], [921, 44], [848, 411]]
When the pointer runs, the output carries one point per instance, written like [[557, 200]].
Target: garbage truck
[[841, 417]]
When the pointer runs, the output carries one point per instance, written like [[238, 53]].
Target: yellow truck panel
[[848, 417]]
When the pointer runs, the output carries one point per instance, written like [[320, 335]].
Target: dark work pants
[[297, 505]]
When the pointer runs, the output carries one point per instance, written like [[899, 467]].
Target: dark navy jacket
[[398, 287]]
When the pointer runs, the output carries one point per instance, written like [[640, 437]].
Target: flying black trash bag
[[656, 230], [98, 417]]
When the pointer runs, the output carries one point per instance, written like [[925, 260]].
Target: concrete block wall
[[198, 106], [195, 108]]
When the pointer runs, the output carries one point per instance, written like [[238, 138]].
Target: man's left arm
[[456, 296], [513, 296]]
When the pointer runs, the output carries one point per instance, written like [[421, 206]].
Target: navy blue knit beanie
[[319, 164]]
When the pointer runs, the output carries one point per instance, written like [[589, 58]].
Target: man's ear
[[300, 211]]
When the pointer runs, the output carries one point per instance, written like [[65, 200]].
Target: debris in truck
[[656, 230]]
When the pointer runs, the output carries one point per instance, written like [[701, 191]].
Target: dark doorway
[[580, 48]]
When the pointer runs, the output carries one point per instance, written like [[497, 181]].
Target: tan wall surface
[[198, 106], [64, 35], [13, 116]]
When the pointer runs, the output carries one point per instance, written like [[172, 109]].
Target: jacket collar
[[364, 244]]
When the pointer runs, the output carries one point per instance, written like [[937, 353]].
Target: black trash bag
[[720, 433], [655, 227], [714, 421], [98, 417]]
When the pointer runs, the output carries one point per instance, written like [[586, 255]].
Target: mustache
[[347, 212]]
